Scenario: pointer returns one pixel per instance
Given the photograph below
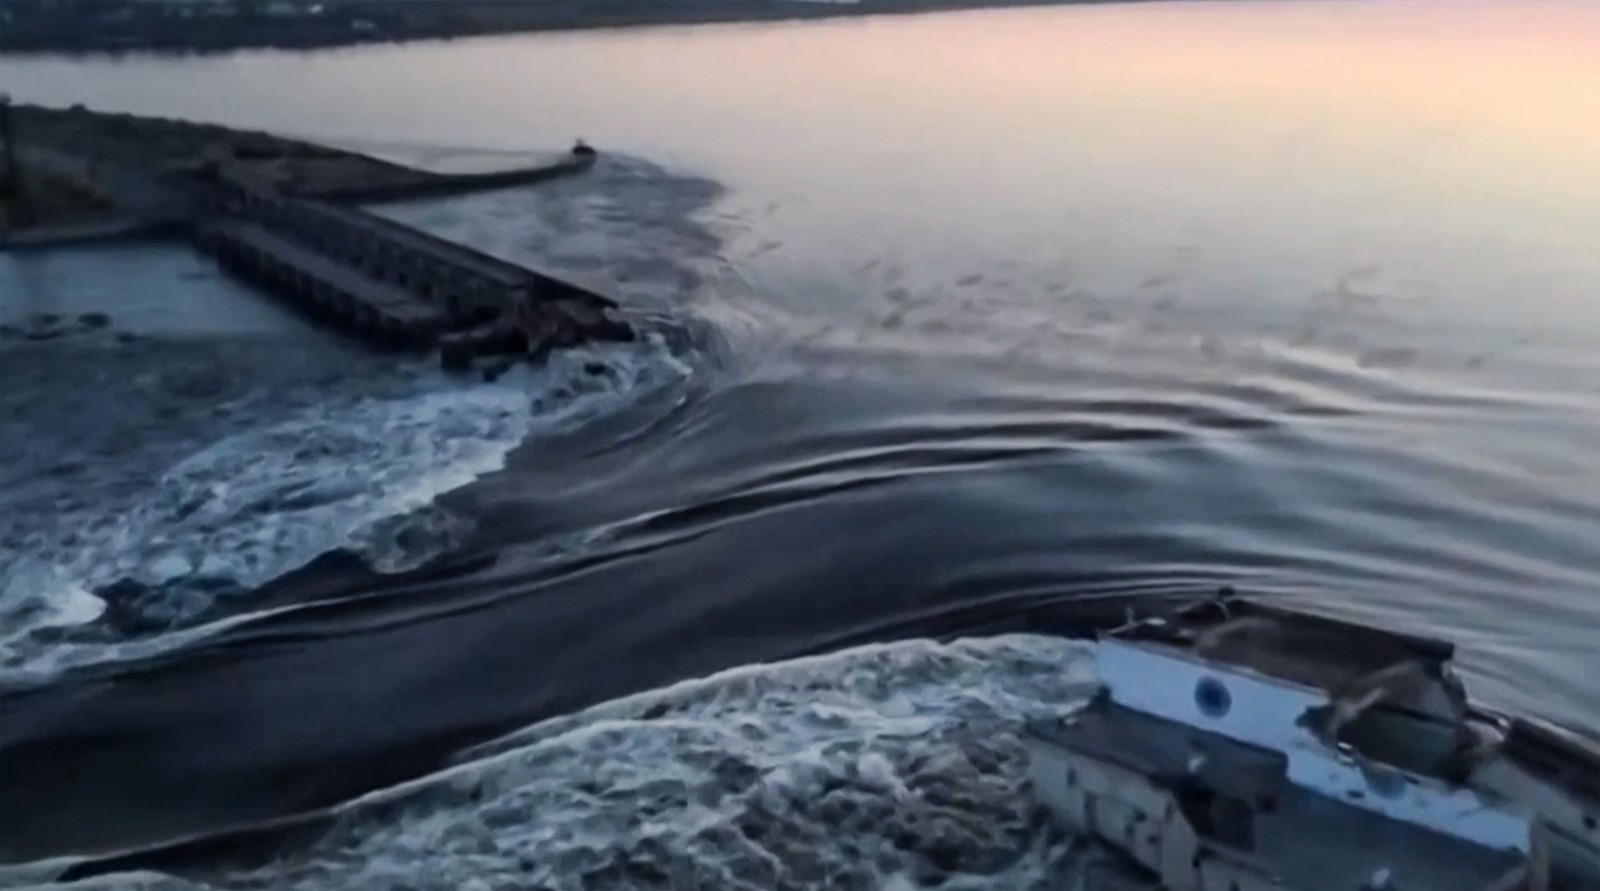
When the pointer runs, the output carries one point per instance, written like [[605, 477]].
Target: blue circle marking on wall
[[1212, 697]]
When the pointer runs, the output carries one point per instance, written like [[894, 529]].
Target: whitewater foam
[[359, 470], [892, 766]]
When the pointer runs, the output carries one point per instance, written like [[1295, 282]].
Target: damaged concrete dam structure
[[278, 213], [392, 285]]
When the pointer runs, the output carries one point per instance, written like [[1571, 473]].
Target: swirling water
[[978, 326]]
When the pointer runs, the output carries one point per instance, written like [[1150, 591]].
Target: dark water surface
[[962, 325]]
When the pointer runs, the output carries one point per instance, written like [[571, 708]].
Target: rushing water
[[968, 325]]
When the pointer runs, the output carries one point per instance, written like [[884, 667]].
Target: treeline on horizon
[[202, 25]]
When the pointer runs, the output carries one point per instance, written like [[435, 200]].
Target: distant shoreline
[[152, 26]]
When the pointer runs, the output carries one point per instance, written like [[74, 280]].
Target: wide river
[[963, 329]]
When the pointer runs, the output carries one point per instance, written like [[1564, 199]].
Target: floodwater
[[964, 330]]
